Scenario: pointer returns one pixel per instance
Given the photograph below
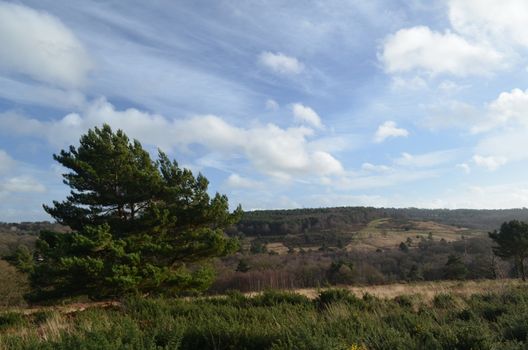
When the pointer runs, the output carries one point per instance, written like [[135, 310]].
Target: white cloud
[[420, 49], [305, 114], [22, 184], [380, 180], [426, 160], [506, 145], [451, 114], [337, 200], [237, 181], [450, 87], [272, 150], [369, 167], [491, 162], [414, 83], [509, 107], [6, 162], [464, 167], [502, 130], [39, 45], [272, 105], [280, 63], [499, 196], [389, 129], [501, 21]]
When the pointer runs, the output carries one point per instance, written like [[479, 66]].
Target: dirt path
[[63, 309]]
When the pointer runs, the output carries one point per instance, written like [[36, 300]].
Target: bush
[[329, 296], [404, 300], [443, 301], [515, 327], [11, 319], [271, 297]]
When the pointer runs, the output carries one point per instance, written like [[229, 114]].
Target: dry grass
[[52, 328], [278, 248], [384, 234], [13, 285], [59, 320], [62, 309], [428, 290]]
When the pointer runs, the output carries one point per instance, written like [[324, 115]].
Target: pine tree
[[512, 243], [455, 268], [139, 226]]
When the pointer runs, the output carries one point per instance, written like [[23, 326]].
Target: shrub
[[404, 301], [271, 297], [10, 319], [443, 301], [329, 296], [515, 327]]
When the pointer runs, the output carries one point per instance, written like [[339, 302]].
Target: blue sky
[[280, 104]]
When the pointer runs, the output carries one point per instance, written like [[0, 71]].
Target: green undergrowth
[[336, 319]]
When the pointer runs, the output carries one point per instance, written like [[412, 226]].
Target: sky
[[280, 104]]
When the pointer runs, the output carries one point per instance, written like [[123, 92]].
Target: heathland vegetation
[[170, 263], [335, 319]]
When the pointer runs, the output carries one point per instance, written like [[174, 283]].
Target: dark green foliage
[[341, 272], [138, 224], [277, 320], [404, 300], [10, 319], [243, 266], [443, 301], [22, 259], [337, 295], [455, 269], [512, 243], [258, 247], [272, 297], [515, 327]]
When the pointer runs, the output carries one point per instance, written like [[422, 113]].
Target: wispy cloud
[[281, 63], [388, 130]]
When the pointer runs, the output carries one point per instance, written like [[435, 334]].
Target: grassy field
[[389, 233], [469, 315]]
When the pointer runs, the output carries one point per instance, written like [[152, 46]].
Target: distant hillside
[[310, 227], [306, 248], [13, 235], [340, 219]]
